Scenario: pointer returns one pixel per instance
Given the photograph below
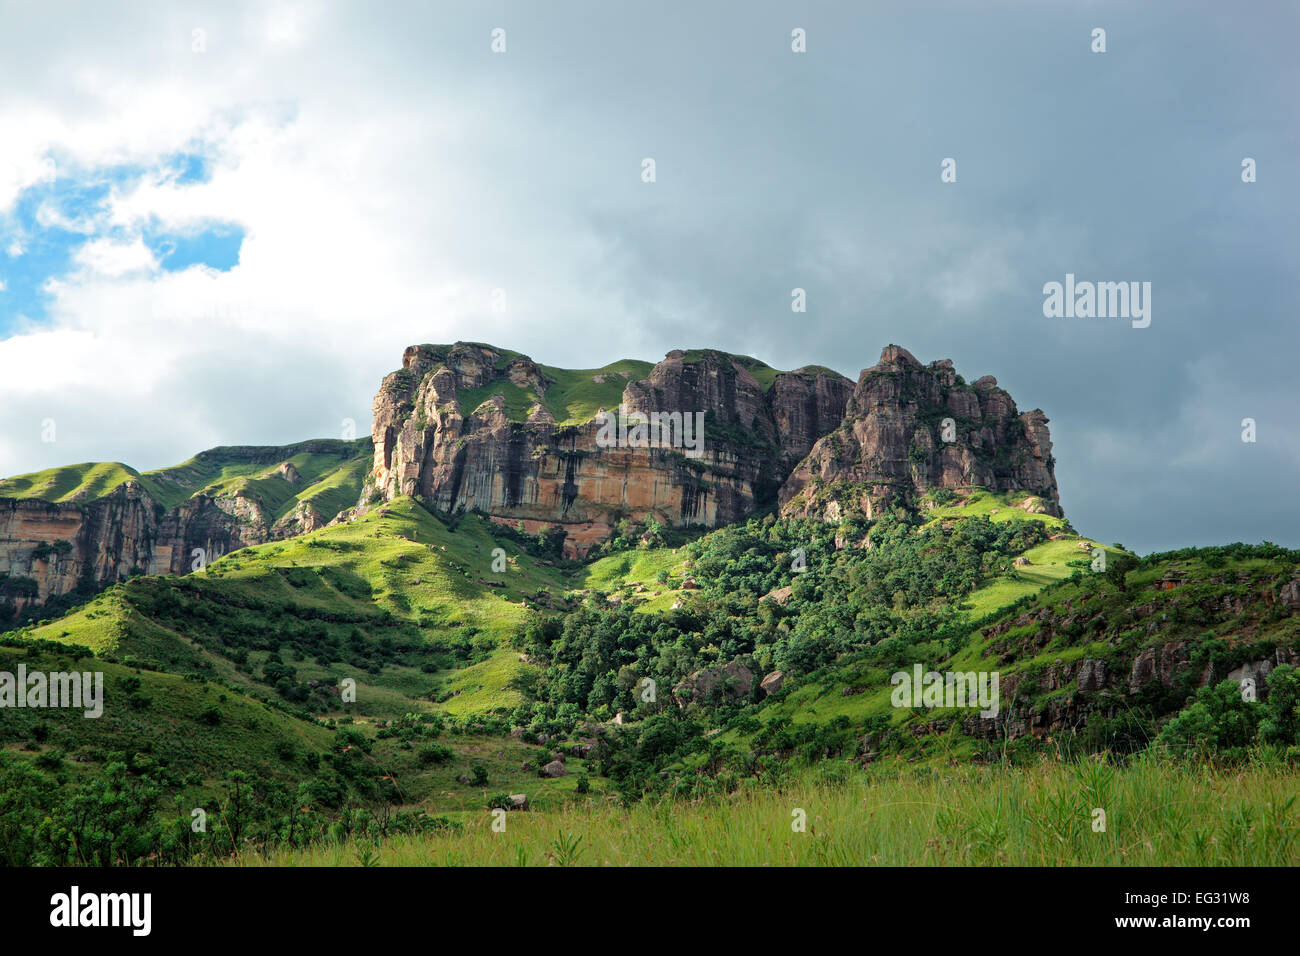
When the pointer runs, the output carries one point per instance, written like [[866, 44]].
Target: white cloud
[[50, 216], [374, 216], [110, 258], [389, 171]]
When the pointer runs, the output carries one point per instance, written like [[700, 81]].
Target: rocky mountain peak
[[520, 455], [897, 355], [911, 428]]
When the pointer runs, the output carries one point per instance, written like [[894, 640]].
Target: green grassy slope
[[411, 610], [634, 576], [195, 731], [163, 715], [889, 815], [83, 482], [575, 395], [331, 473]]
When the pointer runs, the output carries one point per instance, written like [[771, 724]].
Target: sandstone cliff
[[50, 550], [911, 428], [53, 553], [474, 427]]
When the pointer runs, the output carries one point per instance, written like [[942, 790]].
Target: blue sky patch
[[50, 221], [216, 247], [190, 168]]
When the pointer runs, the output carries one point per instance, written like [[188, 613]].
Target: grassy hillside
[[411, 610], [477, 657], [1205, 612], [193, 726], [575, 395], [83, 482], [330, 474]]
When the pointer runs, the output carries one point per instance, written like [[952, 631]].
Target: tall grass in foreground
[[1156, 813]]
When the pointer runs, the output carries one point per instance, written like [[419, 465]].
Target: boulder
[[555, 768], [772, 682], [778, 595], [733, 681]]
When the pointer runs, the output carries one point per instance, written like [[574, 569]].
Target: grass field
[[1152, 814]]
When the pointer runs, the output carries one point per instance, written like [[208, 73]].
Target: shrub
[[434, 753]]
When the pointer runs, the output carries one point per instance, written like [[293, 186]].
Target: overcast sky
[[221, 224]]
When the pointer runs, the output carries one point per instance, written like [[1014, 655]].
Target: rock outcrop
[[731, 682], [72, 548], [910, 428], [468, 426], [51, 550]]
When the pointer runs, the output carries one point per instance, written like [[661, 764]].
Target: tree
[[1218, 723], [1117, 568], [1280, 723]]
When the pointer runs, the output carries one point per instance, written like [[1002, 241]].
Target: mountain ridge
[[470, 426]]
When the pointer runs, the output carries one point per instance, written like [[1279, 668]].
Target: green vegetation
[[83, 482], [572, 396], [1156, 814], [329, 475], [413, 612], [477, 656], [576, 395]]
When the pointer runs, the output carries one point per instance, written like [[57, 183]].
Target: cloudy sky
[[221, 224]]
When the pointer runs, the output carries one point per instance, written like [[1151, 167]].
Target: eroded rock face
[[59, 547], [52, 550], [892, 443], [430, 444]]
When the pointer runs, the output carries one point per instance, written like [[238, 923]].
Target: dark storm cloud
[[821, 171]]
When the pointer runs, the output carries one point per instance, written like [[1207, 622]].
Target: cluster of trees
[[286, 631], [1223, 722], [903, 587], [113, 818]]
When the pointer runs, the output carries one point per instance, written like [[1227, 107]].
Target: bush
[[434, 753], [1218, 722]]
